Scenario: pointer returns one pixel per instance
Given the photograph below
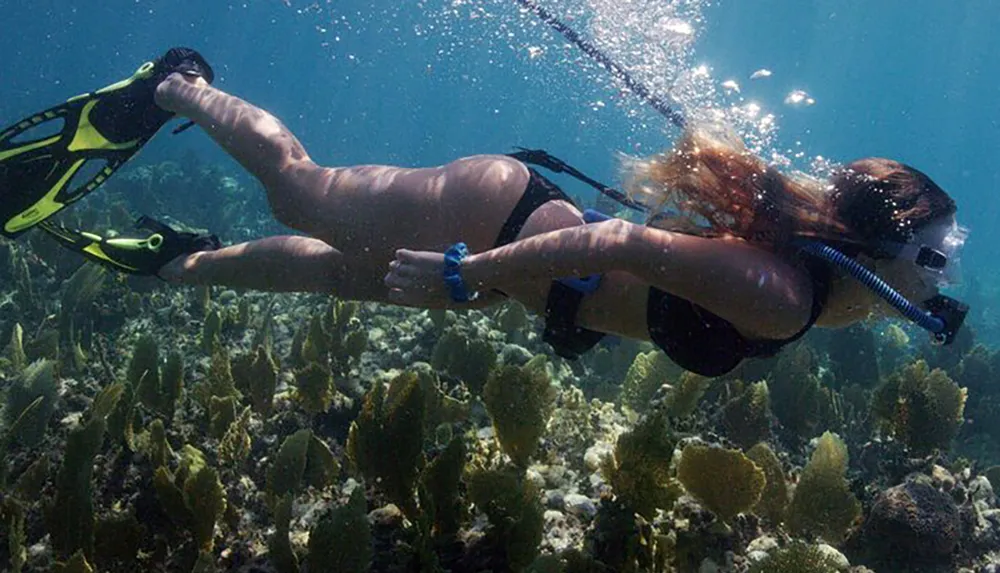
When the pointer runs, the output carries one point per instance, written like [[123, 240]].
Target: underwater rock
[[981, 492], [797, 558], [912, 521], [834, 557], [579, 505], [595, 455]]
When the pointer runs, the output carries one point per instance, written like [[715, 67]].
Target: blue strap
[[452, 273], [587, 285], [594, 216]]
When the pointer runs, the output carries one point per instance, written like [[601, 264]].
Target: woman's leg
[[277, 264], [253, 137], [365, 210]]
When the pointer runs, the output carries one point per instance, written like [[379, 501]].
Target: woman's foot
[[175, 89]]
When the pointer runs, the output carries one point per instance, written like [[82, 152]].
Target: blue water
[[388, 81]]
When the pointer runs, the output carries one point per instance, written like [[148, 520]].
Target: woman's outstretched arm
[[755, 290]]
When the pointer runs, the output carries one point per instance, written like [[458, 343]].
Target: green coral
[[316, 346], [37, 382], [623, 541], [219, 380], [440, 491], [155, 388], [992, 473], [279, 547], [796, 558], [333, 338], [683, 399], [746, 418], [512, 505], [512, 318], [235, 445], [314, 388], [118, 537], [796, 392], [724, 481], [440, 411], [221, 414], [12, 523], [256, 373], [923, 408], [774, 499], [143, 372], [71, 516], [823, 504], [519, 400], [79, 293], [211, 333], [341, 541], [302, 459], [649, 371], [639, 469], [391, 421], [75, 564], [31, 482], [13, 354], [44, 346], [159, 449], [469, 360], [194, 498]]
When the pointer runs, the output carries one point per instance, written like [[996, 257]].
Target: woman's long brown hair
[[709, 184]]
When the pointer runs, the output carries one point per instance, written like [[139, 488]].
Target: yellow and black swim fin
[[143, 255], [37, 175]]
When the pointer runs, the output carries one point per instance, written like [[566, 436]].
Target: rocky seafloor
[[153, 428]]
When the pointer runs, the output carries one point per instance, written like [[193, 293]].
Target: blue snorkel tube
[[943, 317]]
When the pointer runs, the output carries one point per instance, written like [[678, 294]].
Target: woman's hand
[[416, 278]]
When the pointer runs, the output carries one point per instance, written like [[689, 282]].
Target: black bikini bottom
[[563, 302]]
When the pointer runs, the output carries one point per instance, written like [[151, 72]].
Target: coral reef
[[746, 417], [796, 558], [148, 427], [511, 503], [774, 499], [639, 470], [471, 360], [391, 421], [921, 407], [823, 504], [724, 481], [912, 522], [519, 401]]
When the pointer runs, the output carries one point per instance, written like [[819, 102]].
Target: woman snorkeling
[[717, 275]]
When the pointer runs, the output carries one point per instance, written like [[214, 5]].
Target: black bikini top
[[707, 344]]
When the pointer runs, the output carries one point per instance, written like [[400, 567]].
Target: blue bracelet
[[452, 273]]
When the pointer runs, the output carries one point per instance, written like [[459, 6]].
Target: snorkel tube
[[945, 315]]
